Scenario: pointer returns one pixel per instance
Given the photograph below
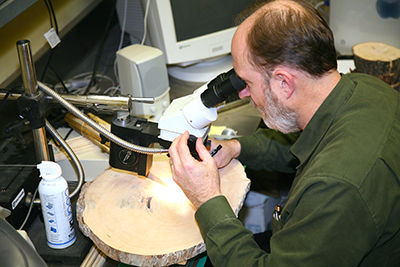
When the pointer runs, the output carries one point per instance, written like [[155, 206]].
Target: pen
[[215, 151]]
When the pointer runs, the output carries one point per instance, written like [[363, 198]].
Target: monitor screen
[[197, 18], [189, 32]]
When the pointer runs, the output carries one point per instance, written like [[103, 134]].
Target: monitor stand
[[203, 71]]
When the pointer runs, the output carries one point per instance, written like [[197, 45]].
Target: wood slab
[[149, 221], [380, 60]]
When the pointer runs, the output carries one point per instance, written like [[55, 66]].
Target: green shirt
[[344, 205]]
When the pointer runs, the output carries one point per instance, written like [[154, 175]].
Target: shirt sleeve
[[316, 228], [228, 242], [268, 150]]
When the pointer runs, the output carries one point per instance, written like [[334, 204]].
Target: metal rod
[[31, 89], [40, 142], [110, 136], [28, 73], [120, 101]]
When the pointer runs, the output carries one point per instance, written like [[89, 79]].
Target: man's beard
[[275, 115]]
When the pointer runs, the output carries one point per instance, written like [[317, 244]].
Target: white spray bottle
[[56, 206]]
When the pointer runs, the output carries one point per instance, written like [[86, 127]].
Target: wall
[[31, 25]]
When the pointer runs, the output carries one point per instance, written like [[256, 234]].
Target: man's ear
[[285, 82]]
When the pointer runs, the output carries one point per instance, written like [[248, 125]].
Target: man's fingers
[[202, 150], [183, 141], [178, 150]]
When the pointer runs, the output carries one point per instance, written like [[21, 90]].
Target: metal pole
[[30, 85], [27, 68], [40, 141]]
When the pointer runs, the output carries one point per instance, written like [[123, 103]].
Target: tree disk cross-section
[[149, 221]]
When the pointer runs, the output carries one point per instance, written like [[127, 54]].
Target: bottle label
[[58, 220]]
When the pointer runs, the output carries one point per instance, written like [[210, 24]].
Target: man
[[344, 204]]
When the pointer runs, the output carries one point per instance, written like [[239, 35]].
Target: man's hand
[[230, 150], [199, 180]]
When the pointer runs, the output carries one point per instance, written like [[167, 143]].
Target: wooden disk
[[149, 221], [379, 60]]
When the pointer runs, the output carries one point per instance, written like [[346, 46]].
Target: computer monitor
[[195, 36]]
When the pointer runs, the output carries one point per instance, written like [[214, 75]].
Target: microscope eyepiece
[[221, 87]]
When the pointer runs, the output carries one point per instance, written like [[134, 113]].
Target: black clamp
[[33, 109]]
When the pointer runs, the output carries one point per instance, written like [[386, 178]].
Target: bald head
[[286, 32]]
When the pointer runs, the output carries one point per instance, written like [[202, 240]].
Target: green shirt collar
[[322, 120]]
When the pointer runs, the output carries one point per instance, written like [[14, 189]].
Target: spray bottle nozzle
[[49, 170]]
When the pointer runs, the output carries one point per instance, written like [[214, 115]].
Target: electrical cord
[[145, 22], [7, 95], [113, 90], [78, 83], [59, 78], [123, 32], [54, 25], [100, 49], [318, 4], [29, 209], [121, 40], [52, 15], [67, 135]]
